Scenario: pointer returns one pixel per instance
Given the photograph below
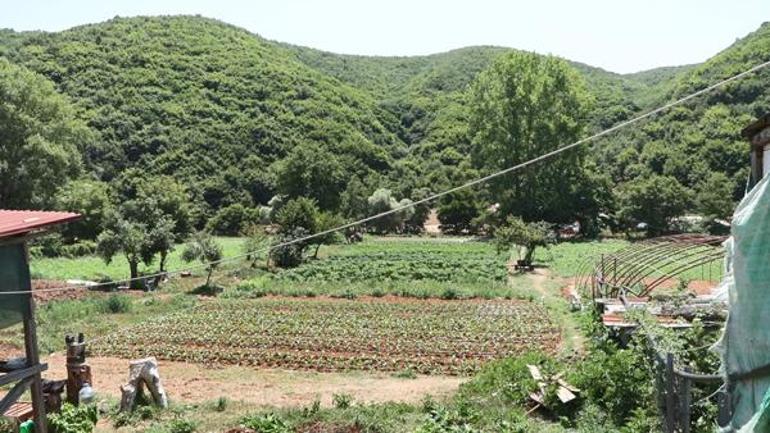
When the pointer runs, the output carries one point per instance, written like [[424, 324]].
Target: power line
[[430, 198]]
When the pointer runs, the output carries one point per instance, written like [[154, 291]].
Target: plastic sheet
[[745, 344]]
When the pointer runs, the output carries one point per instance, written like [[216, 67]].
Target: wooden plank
[[17, 375], [21, 410], [565, 395], [563, 383], [14, 394], [535, 372], [538, 398]]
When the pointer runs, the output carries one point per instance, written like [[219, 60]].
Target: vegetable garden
[[382, 260], [428, 337]]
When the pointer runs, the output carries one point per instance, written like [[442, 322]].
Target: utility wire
[[430, 198]]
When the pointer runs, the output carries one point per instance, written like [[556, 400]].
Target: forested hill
[[205, 101], [229, 114]]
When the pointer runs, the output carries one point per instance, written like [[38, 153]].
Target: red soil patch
[[41, 295], [702, 287]]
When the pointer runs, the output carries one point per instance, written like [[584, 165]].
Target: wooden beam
[[21, 374], [30, 343]]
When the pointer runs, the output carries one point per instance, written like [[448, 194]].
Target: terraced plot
[[384, 334]]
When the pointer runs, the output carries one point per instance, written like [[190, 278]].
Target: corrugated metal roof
[[16, 222]]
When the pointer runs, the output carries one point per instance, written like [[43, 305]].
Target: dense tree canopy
[[524, 106], [41, 139]]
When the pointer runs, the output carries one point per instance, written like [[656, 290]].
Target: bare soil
[[42, 296], [432, 223], [192, 383]]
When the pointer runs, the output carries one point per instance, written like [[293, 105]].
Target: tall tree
[[205, 249], [39, 139], [91, 200], [654, 201], [524, 106], [314, 172]]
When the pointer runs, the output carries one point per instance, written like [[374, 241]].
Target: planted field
[[430, 337], [384, 260]]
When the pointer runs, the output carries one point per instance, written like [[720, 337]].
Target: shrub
[[381, 201], [117, 304], [268, 423], [182, 426], [221, 404], [342, 401], [79, 249], [233, 220], [289, 256], [457, 211], [205, 249], [73, 419], [510, 378], [299, 212], [47, 246], [449, 294]]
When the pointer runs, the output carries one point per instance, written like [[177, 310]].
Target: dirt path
[[192, 383], [549, 288]]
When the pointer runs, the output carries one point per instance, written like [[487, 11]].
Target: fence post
[[670, 404], [601, 279], [685, 399]]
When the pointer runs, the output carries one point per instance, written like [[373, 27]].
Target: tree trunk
[[208, 277], [134, 266], [317, 247], [530, 254], [163, 257]]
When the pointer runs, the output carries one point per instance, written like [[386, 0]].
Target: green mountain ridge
[[219, 107]]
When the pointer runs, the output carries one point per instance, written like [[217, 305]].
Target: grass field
[[94, 268], [449, 337], [565, 259]]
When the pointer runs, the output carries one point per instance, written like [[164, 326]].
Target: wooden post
[[78, 371], [601, 279], [30, 345], [670, 403], [685, 399]]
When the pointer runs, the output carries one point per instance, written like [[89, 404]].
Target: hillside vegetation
[[237, 120]]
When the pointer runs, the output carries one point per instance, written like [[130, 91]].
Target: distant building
[[758, 134]]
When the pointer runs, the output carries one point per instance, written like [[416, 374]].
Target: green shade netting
[[13, 272], [745, 344]]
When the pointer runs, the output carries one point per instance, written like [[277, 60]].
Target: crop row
[[330, 335], [403, 266]]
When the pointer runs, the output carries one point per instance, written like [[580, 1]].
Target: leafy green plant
[[115, 304], [182, 426], [406, 373], [221, 404], [267, 423], [73, 419], [342, 401]]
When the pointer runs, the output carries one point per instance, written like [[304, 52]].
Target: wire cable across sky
[[428, 199]]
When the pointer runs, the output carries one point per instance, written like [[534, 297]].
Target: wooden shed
[[758, 134], [17, 304]]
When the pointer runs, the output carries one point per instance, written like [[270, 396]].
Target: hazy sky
[[619, 35]]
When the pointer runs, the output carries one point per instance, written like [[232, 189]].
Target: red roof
[[16, 222]]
